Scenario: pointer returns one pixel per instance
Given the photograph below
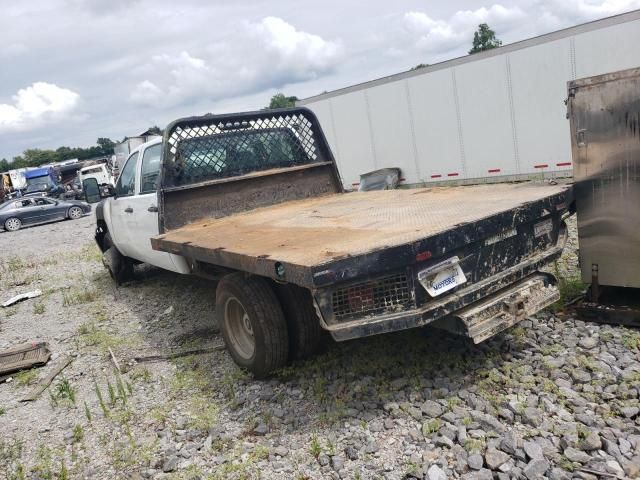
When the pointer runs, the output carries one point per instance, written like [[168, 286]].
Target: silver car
[[32, 210]]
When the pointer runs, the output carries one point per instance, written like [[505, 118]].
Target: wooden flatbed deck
[[316, 231]]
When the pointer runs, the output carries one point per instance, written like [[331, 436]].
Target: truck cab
[[100, 172], [129, 218], [42, 181]]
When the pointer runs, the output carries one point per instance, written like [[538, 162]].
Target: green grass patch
[[39, 308], [26, 377], [79, 296]]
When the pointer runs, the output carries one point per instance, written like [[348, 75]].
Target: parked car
[[28, 211]]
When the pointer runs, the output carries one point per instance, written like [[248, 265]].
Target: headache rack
[[202, 154]]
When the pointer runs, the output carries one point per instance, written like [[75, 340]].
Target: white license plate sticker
[[543, 228], [443, 277]]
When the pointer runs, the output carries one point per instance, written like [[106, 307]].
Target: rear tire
[[12, 224], [252, 323], [119, 266], [305, 332]]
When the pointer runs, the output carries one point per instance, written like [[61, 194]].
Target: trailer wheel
[[119, 266], [305, 333], [252, 323]]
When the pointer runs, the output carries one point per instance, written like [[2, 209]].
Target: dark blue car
[[32, 210]]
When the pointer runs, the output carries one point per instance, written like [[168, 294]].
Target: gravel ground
[[553, 397]]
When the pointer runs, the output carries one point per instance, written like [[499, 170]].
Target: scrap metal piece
[[183, 353], [46, 381], [23, 357], [21, 297]]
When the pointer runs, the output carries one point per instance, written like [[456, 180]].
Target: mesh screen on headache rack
[[229, 149]]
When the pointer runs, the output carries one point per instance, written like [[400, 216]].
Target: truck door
[[123, 228], [145, 214]]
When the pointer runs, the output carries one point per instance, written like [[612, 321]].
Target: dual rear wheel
[[265, 325]]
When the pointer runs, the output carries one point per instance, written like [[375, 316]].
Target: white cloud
[[270, 53], [441, 36], [444, 38], [35, 105]]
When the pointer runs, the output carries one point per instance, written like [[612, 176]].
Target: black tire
[[12, 224], [119, 266], [263, 323], [305, 332]]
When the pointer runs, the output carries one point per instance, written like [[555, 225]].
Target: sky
[[75, 70]]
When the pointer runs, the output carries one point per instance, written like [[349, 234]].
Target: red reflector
[[355, 184], [453, 174], [423, 256], [563, 164], [542, 165], [436, 176], [402, 179], [494, 170]]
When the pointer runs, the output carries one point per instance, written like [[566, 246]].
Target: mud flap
[[484, 319]]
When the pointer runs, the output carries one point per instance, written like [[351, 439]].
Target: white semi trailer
[[496, 115]]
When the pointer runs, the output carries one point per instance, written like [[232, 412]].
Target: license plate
[[442, 277], [543, 228]]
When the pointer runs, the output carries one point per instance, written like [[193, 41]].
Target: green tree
[[4, 165], [106, 144], [420, 65], [279, 100], [484, 39], [155, 130]]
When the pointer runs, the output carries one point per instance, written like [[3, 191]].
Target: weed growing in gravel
[[63, 392], [473, 445], [90, 254], [87, 412], [204, 413], [78, 433], [570, 286], [79, 296], [10, 455], [631, 340], [314, 446], [141, 374], [93, 336], [432, 426], [10, 311], [2, 411], [25, 377], [39, 308]]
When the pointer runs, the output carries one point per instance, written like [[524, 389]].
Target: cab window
[[127, 182], [150, 169]]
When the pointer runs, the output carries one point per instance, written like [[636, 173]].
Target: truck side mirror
[[91, 190]]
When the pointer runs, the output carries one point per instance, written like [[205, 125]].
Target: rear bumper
[[498, 288]]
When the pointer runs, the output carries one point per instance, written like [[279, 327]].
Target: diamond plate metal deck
[[320, 230]]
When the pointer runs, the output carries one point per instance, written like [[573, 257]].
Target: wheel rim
[[75, 212], [13, 224], [239, 328]]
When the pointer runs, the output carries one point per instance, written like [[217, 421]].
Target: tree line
[[34, 157]]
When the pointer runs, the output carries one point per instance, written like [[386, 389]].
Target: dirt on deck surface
[[553, 396], [317, 230]]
